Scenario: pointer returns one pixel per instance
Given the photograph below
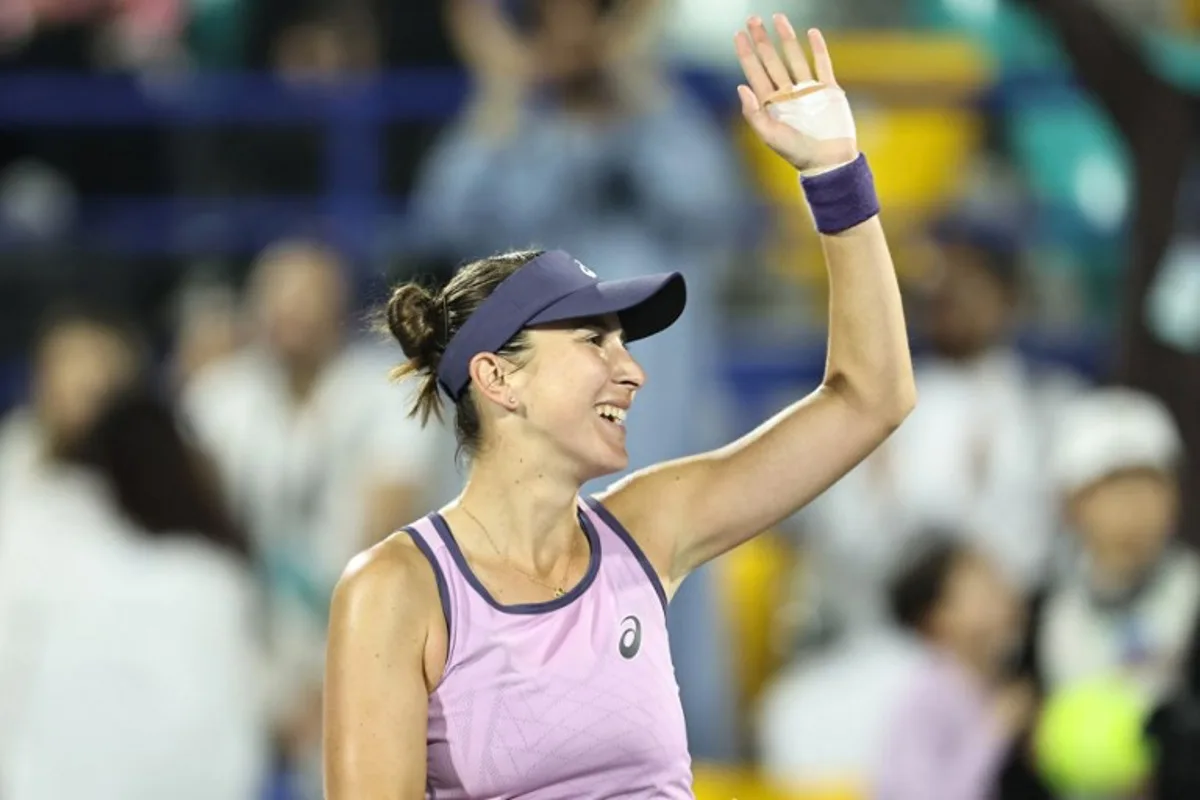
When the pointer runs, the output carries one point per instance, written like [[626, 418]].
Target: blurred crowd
[[1002, 602]]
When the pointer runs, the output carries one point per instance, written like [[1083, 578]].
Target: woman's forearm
[[869, 362]]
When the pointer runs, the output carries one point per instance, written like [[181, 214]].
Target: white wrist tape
[[816, 110]]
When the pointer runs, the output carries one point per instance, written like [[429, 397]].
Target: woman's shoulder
[[392, 577]]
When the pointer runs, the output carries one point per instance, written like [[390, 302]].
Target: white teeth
[[611, 413]]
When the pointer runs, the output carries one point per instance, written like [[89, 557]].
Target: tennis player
[[514, 643]]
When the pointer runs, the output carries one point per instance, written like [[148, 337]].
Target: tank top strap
[[452, 588], [622, 550]]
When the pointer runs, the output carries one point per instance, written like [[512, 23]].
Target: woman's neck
[[528, 510]]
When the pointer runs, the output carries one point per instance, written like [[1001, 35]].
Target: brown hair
[[920, 583], [158, 478], [424, 321]]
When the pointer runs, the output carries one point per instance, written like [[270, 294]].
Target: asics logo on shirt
[[631, 637]]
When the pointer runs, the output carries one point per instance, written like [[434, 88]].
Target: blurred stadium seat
[[1073, 161], [734, 784], [1013, 37], [754, 580]]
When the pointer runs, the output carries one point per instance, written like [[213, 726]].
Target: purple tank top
[[573, 698]]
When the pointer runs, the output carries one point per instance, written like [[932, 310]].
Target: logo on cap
[[584, 269]]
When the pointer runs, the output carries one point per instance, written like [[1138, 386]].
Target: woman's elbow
[[901, 403], [889, 413], [886, 404]]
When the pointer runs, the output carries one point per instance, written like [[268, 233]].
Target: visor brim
[[646, 305]]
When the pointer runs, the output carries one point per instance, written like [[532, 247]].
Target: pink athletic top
[[574, 698]]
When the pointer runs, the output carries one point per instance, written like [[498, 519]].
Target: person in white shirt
[[311, 439], [130, 661], [1131, 605], [315, 450]]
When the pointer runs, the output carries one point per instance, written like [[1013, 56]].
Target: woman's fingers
[[767, 72], [821, 57], [797, 61], [752, 110], [756, 75], [768, 55], [750, 102]]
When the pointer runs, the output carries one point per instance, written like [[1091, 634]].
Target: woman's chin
[[609, 464]]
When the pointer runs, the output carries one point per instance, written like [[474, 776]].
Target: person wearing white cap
[[1131, 605]]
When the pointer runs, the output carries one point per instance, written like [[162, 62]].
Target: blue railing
[[352, 210]]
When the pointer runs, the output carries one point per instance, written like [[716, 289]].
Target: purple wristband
[[842, 198]]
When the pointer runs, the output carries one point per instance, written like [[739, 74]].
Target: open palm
[[774, 78]]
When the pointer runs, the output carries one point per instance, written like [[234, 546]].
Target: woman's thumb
[[749, 101]]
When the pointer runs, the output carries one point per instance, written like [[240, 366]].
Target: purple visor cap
[[555, 287]]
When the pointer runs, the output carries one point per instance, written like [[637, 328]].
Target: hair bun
[[414, 317]]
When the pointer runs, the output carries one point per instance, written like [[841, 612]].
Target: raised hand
[[492, 50], [805, 120], [499, 59]]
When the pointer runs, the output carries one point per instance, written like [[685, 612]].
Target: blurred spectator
[[311, 45], [969, 459], [926, 710], [80, 359], [208, 329], [129, 660], [822, 718], [1160, 125], [314, 44], [960, 711], [125, 32], [563, 146], [83, 36], [384, 32], [1132, 603], [313, 447]]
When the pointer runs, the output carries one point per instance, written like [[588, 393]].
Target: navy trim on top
[[443, 587], [632, 544], [589, 531]]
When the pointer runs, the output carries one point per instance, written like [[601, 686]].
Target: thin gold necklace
[[557, 588]]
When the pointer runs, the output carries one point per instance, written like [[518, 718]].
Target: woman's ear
[[489, 373]]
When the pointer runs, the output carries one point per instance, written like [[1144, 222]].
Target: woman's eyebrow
[[600, 325]]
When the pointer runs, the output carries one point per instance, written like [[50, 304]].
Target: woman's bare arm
[[376, 680], [687, 512]]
